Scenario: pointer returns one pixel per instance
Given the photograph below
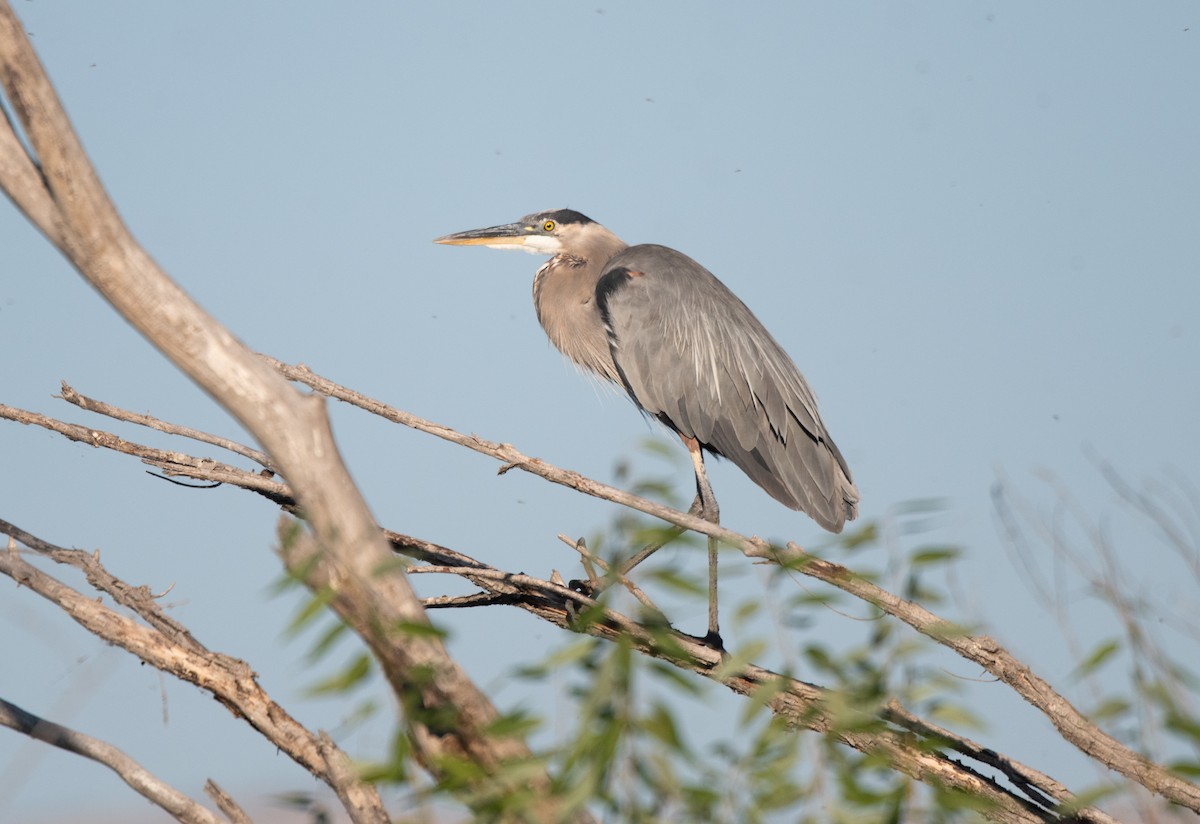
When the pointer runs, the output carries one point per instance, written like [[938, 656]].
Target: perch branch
[[590, 561], [549, 601], [987, 652]]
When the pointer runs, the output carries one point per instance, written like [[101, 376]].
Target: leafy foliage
[[633, 750]]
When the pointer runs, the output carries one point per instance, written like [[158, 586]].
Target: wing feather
[[694, 356]]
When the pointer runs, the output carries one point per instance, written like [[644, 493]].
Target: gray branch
[[57, 188], [914, 746], [131, 772], [167, 646]]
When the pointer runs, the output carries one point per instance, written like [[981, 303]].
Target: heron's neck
[[564, 295]]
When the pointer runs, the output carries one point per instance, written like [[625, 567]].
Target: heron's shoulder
[[657, 261]]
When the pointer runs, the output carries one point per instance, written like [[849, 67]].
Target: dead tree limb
[[980, 649], [132, 773], [167, 646], [57, 188], [916, 747]]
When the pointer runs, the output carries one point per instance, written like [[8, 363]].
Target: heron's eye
[[548, 225]]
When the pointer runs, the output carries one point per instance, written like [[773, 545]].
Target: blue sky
[[973, 226]]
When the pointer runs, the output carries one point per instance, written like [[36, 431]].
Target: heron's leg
[[711, 513]]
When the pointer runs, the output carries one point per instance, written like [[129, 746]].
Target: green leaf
[[732, 664], [660, 724], [1186, 769], [395, 769], [1088, 798], [667, 450], [949, 629], [746, 611], [327, 639], [355, 672], [312, 608], [567, 656], [760, 696], [678, 679], [1109, 710], [514, 725], [934, 555], [866, 535], [921, 506], [1097, 658], [674, 581], [418, 629], [396, 563], [1187, 727], [957, 716]]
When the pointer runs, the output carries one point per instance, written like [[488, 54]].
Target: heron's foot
[[589, 588], [713, 640]]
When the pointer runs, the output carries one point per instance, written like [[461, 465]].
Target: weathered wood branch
[[982, 650], [150, 422], [57, 188], [132, 773], [916, 747], [168, 646]]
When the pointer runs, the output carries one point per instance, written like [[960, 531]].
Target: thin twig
[[983, 650], [589, 561], [168, 647], [595, 581], [173, 463], [502, 452], [149, 421], [225, 802], [987, 652], [132, 773], [70, 205], [138, 599], [479, 599]]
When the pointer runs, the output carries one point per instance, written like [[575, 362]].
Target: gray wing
[[691, 354]]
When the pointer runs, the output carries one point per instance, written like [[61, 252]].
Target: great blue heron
[[689, 353]]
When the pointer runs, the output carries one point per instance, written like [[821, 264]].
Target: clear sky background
[[974, 226]]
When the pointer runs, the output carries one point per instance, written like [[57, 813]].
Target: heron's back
[[690, 353]]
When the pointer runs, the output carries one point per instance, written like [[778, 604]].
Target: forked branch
[[916, 747], [57, 188]]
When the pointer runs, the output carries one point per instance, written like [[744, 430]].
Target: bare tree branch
[[131, 772], [549, 601], [222, 799], [69, 204], [169, 647], [171, 463], [995, 659], [801, 703], [985, 651], [99, 407], [58, 190]]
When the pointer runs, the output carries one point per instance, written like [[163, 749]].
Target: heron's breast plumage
[[564, 297]]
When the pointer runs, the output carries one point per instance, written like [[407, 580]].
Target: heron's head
[[558, 231]]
